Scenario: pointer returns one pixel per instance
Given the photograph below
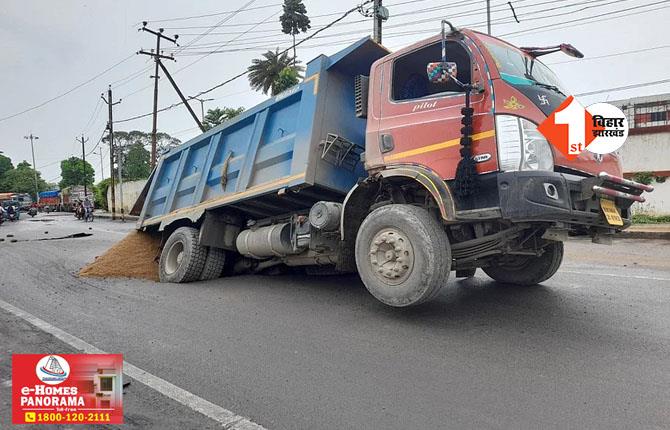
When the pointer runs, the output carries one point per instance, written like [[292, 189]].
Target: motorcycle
[[79, 212], [32, 212]]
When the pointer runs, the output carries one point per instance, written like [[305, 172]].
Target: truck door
[[421, 121]]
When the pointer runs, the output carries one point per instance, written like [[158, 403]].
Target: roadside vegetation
[[650, 219]]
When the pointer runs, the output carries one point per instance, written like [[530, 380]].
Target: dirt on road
[[134, 256]]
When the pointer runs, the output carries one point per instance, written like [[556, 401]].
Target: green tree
[[218, 116], [5, 166], [101, 193], [294, 20], [125, 139], [287, 78], [136, 162], [22, 180], [75, 172], [264, 74]]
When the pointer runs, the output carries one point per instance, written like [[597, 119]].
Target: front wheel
[[527, 270], [403, 255]]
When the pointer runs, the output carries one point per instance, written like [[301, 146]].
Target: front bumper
[[557, 197]]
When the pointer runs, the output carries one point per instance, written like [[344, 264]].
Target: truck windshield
[[517, 68]]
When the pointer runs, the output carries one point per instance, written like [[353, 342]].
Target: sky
[[50, 47]]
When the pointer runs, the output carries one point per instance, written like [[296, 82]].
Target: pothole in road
[[69, 236]]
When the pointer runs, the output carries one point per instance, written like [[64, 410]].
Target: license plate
[[611, 212]]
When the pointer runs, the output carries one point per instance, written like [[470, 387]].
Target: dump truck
[[372, 165], [50, 198]]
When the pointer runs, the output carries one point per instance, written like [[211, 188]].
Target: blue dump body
[[283, 155], [49, 194]]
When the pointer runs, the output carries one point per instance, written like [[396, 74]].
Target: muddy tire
[[403, 255], [528, 270], [214, 263], [182, 258]]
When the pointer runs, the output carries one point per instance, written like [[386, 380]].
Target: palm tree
[[218, 116], [264, 74], [294, 20]]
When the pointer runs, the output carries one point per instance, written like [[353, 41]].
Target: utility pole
[[32, 148], [202, 106], [377, 30], [83, 162], [379, 14], [159, 35], [158, 56], [119, 162], [488, 16], [102, 167], [110, 127]]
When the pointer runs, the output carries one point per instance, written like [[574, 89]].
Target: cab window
[[410, 81]]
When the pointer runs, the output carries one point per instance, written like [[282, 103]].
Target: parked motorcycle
[[12, 213]]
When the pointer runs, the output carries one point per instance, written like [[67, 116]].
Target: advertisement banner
[[67, 389]]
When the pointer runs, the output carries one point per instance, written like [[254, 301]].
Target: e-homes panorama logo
[[600, 128], [52, 369]]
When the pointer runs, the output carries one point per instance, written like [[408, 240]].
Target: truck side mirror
[[440, 72], [570, 50]]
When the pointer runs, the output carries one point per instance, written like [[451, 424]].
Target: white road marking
[[7, 383], [228, 419], [650, 278]]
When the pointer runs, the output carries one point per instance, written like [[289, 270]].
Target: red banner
[[67, 389]]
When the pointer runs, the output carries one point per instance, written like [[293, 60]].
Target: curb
[[627, 234], [108, 215]]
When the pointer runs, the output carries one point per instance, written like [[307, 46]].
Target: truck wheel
[[214, 263], [527, 270], [182, 258], [403, 255]]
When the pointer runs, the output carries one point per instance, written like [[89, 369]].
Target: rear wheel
[[403, 255], [182, 258], [527, 270], [216, 260]]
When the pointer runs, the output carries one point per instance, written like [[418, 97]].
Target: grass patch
[[650, 219]]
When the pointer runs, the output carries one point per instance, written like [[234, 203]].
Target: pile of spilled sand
[[132, 257]]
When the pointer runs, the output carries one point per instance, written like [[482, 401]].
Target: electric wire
[[76, 87], [615, 54], [350, 11], [562, 24], [622, 88], [239, 75]]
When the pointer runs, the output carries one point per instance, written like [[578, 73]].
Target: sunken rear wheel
[[214, 264], [183, 258], [527, 270], [403, 255]]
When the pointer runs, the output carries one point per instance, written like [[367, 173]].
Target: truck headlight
[[521, 146]]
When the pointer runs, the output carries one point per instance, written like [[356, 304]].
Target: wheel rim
[[391, 256], [174, 257]]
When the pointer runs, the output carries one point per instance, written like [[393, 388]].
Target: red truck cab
[[524, 197], [414, 122]]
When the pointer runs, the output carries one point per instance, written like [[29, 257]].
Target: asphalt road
[[590, 348]]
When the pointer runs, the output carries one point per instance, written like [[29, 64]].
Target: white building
[[647, 148]]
